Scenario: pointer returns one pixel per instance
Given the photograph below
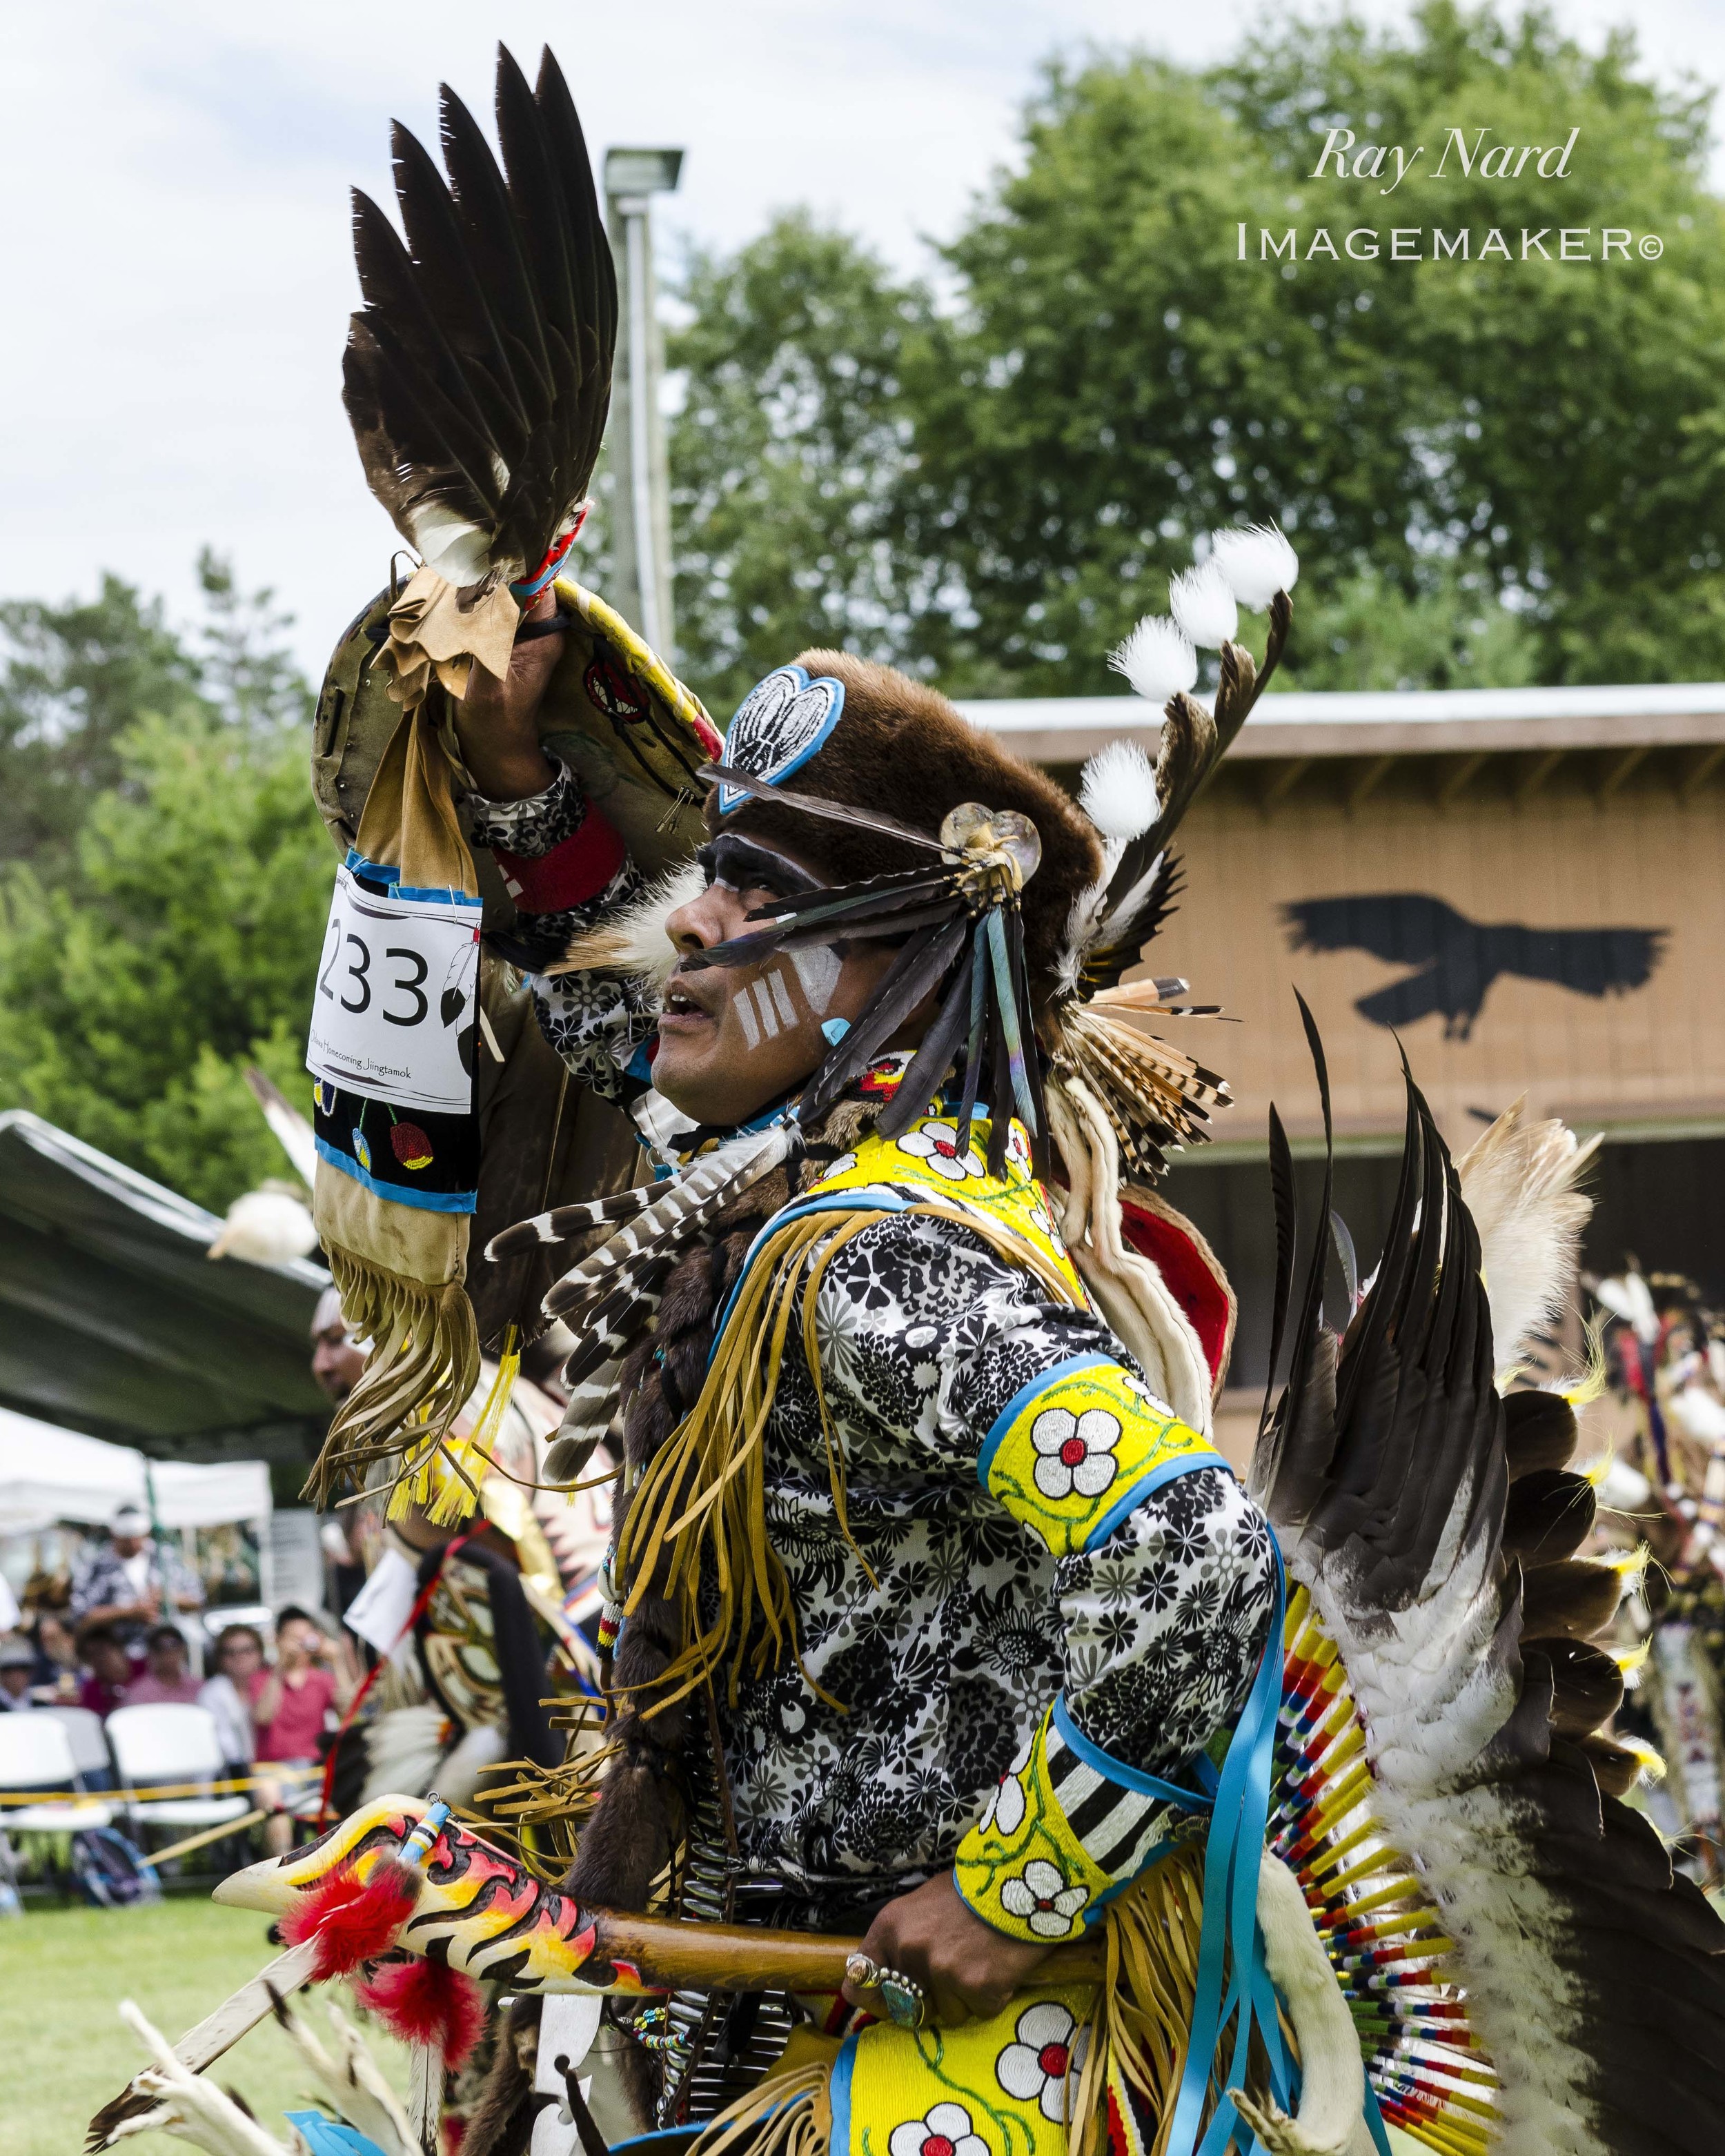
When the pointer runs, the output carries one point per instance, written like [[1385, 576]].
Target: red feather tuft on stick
[[352, 1920], [427, 2002]]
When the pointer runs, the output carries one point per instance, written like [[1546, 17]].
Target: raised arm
[[563, 863]]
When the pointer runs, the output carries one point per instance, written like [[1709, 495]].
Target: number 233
[[357, 978]]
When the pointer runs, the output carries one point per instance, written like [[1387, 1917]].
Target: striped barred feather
[[563, 1222], [606, 1286], [588, 1417], [609, 1329], [1156, 1099]]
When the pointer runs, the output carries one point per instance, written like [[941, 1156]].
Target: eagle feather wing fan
[[1528, 1974], [478, 374]]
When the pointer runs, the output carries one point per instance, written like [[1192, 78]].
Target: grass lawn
[[63, 2049]]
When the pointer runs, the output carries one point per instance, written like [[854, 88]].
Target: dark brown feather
[[1572, 1598], [1549, 1515], [1539, 1430], [477, 377]]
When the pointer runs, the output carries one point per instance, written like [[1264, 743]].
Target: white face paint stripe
[[763, 1004], [782, 997], [819, 966], [746, 1016]]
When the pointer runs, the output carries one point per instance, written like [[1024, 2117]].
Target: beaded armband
[[1076, 1449], [1021, 1868], [1070, 1455], [1066, 1830]]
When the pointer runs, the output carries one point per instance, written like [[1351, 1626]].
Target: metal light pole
[[641, 509]]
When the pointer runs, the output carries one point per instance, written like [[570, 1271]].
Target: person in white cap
[[134, 1582]]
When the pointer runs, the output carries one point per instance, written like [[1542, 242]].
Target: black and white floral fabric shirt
[[1071, 1592]]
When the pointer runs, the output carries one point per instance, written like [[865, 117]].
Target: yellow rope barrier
[[151, 1792]]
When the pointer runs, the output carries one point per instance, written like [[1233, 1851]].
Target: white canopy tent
[[48, 1474]]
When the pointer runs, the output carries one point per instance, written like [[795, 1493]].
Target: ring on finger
[[902, 1998]]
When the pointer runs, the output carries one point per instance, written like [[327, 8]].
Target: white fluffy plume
[[1117, 790], [1157, 659], [1254, 563], [1518, 1182], [267, 1226], [1203, 603], [634, 941]]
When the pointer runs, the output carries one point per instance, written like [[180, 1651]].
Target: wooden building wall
[[1647, 859]]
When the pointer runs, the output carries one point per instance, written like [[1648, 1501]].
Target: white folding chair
[[90, 1748], [159, 1747], [36, 1753]]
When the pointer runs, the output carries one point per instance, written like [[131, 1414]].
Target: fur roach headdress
[[1020, 910]]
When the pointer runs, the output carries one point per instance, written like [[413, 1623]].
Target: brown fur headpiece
[[903, 749]]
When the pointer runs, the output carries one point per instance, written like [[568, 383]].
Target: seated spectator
[[109, 1666], [293, 1707], [54, 1677], [17, 1659], [134, 1582], [233, 1693], [168, 1680]]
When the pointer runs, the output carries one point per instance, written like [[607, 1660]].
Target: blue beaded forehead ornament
[[779, 725]]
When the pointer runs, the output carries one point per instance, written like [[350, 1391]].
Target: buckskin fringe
[[424, 1362], [702, 1498]]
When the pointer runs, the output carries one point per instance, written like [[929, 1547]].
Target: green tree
[[176, 937], [1566, 418], [1495, 471], [788, 457], [73, 678]]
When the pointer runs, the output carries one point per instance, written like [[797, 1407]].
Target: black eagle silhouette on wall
[[1455, 960]]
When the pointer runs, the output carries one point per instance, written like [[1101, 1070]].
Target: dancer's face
[[734, 1039]]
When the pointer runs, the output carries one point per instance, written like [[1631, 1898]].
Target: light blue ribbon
[[331, 2136], [1230, 1938]]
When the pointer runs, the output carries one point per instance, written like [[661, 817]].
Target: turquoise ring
[[902, 1998]]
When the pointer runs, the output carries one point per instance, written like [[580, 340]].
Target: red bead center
[[1074, 1452], [948, 1150], [936, 2145], [1054, 2059]]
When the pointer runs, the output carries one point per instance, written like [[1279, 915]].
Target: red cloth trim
[[1192, 1280], [576, 869]]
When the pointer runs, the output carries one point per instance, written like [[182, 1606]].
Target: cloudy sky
[[176, 256]]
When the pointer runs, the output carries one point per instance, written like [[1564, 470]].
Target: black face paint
[[739, 864]]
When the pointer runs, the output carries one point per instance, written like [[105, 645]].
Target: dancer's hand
[[964, 1966], [496, 723]]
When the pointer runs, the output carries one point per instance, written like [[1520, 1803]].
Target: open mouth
[[680, 1010]]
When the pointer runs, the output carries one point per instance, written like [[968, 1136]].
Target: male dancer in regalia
[[1014, 1583]]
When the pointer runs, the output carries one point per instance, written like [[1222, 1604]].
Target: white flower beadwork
[[1005, 1811], [1009, 1822], [937, 1143], [946, 2131], [1044, 2062], [1018, 1149], [1040, 1898], [1075, 1451]]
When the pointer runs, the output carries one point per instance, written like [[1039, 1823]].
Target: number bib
[[394, 1013], [393, 1026]]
